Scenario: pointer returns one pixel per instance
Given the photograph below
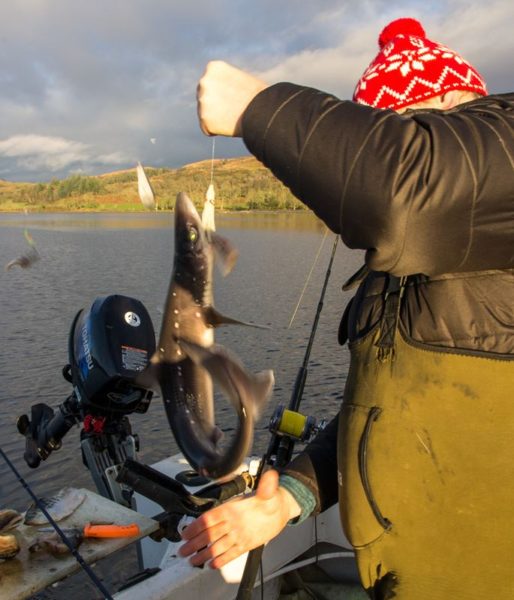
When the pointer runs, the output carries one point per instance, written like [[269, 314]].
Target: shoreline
[[222, 211]]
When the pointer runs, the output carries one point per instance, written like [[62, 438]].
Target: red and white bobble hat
[[410, 68]]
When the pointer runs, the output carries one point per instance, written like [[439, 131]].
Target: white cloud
[[38, 152], [32, 145], [114, 158], [334, 69], [86, 85], [482, 33]]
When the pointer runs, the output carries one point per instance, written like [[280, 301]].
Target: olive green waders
[[426, 472]]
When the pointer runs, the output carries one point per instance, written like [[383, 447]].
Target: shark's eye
[[192, 234]]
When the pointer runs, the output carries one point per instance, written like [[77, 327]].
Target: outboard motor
[[109, 346]]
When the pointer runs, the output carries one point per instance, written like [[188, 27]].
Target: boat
[[314, 556], [311, 556], [109, 345]]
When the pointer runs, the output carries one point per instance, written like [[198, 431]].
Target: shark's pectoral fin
[[246, 391], [214, 318], [148, 378], [225, 254]]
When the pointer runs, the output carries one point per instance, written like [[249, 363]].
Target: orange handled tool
[[111, 531]]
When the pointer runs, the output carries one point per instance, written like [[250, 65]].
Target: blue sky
[[91, 87]]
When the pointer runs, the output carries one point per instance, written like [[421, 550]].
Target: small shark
[[187, 361], [28, 259]]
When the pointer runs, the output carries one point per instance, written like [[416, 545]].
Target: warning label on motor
[[133, 359]]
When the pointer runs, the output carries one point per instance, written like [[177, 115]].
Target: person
[[417, 170]]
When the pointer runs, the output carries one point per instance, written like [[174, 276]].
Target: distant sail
[[146, 194], [208, 210]]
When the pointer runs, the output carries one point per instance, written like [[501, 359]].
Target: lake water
[[84, 256]]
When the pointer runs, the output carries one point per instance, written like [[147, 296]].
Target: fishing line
[[300, 298], [262, 579], [212, 159], [282, 447], [316, 538], [308, 278], [59, 531], [284, 341]]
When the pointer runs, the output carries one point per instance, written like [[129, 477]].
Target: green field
[[240, 184]]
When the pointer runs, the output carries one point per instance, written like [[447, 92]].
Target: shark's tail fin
[[261, 386]]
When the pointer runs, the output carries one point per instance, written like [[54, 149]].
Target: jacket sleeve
[[316, 467], [426, 192]]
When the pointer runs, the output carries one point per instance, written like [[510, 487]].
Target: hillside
[[240, 183]]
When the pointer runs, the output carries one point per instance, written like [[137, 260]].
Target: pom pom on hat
[[410, 68], [400, 27]]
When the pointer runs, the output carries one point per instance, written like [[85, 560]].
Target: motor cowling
[[109, 346]]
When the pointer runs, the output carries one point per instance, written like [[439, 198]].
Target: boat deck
[[28, 573]]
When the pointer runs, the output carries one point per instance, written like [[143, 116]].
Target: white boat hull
[[178, 580]]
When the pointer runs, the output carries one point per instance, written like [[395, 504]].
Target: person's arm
[[426, 192], [316, 467], [235, 527], [223, 94]]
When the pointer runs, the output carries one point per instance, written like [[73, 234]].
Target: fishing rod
[[284, 433], [59, 531]]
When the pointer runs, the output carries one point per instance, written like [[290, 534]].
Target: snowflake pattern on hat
[[410, 68]]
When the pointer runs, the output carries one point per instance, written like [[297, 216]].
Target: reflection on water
[[301, 220], [84, 256]]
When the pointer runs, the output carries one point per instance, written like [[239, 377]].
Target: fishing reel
[[285, 422], [109, 346]]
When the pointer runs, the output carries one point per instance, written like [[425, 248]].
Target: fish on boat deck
[[9, 546], [60, 506], [51, 541], [187, 361], [9, 519]]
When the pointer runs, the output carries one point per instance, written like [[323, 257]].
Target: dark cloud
[[103, 78]]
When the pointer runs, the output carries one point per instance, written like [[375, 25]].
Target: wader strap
[[355, 280], [390, 317]]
